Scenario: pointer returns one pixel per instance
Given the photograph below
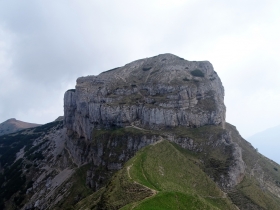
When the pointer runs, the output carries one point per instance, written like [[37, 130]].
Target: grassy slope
[[177, 177], [252, 192], [160, 176], [181, 180]]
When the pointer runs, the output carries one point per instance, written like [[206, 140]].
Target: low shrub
[[197, 73]]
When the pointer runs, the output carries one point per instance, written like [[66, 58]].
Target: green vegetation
[[216, 159], [48, 126], [197, 73], [12, 143], [146, 68], [32, 153], [114, 142], [208, 104], [13, 181], [160, 177], [173, 200], [250, 188], [120, 191], [166, 176], [118, 133], [176, 175]]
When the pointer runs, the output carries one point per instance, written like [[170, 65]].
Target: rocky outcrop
[[221, 145], [158, 93], [155, 93]]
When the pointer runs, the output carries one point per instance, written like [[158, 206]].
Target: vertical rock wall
[[152, 93]]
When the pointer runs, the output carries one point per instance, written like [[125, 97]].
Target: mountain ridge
[[12, 125], [160, 91], [156, 93], [136, 137]]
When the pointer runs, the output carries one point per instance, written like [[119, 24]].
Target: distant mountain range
[[268, 142], [13, 125]]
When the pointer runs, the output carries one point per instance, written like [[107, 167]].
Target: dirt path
[[154, 192], [254, 168], [128, 169], [161, 140], [133, 126]]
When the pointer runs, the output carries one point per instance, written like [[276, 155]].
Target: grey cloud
[[54, 42]]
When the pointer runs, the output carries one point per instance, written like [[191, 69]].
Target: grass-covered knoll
[[214, 160], [176, 175], [166, 176], [216, 155], [161, 176], [172, 200]]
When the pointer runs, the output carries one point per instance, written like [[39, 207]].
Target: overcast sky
[[46, 45]]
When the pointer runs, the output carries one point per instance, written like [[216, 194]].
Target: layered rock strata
[[152, 94], [155, 93]]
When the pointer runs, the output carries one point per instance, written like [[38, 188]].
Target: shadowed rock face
[[162, 91]]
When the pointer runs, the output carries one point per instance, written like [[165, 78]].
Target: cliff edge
[[157, 92]]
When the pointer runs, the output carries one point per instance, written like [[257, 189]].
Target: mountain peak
[[150, 134], [155, 92], [12, 125], [11, 120]]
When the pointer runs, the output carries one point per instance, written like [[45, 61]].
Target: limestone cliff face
[[152, 94], [157, 92]]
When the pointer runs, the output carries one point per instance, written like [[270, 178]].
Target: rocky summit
[[149, 135], [158, 92], [155, 93]]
